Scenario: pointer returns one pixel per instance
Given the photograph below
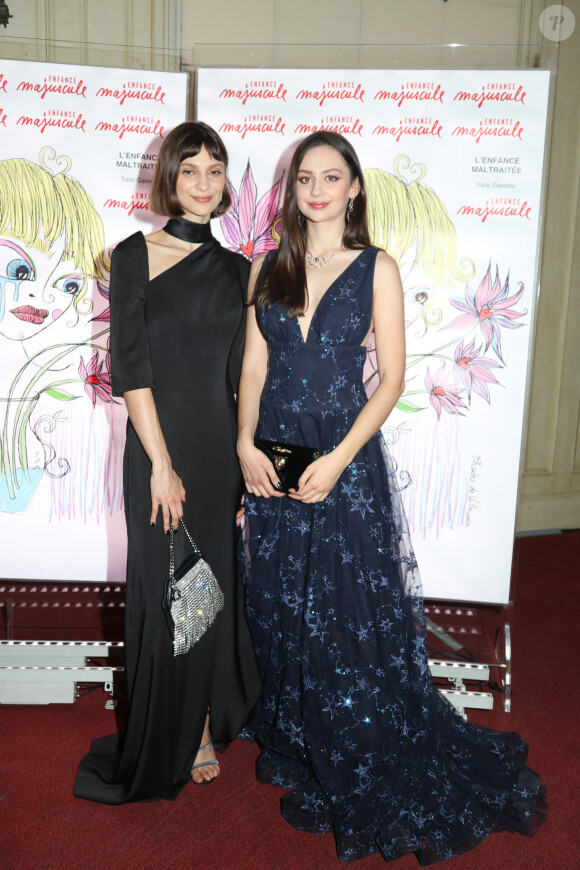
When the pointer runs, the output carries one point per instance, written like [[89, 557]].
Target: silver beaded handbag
[[192, 598]]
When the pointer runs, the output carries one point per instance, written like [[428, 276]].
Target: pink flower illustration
[[471, 370], [97, 383], [248, 225], [105, 315], [442, 395], [108, 356], [489, 307]]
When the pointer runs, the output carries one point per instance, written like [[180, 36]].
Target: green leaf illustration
[[408, 406], [60, 394]]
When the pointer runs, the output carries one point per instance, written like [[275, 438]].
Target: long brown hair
[[185, 140], [283, 279]]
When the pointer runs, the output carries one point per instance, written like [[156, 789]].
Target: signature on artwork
[[473, 495]]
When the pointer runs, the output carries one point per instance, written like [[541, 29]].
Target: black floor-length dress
[[180, 334], [348, 718]]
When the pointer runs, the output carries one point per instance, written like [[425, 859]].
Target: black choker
[[188, 231]]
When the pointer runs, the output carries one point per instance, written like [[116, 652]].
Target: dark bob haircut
[[185, 140]]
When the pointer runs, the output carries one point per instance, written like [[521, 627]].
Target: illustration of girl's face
[[36, 288]]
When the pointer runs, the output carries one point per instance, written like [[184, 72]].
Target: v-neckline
[[175, 265], [323, 297]]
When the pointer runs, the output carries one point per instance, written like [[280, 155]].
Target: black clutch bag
[[289, 460]]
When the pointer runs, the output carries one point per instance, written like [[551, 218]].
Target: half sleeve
[[130, 360]]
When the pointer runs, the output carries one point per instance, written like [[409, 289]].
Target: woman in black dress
[[177, 312]]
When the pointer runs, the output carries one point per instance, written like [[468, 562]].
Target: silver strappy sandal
[[205, 764]]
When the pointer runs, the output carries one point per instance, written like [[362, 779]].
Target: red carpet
[[235, 824]]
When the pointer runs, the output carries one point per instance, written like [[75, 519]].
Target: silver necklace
[[319, 262]]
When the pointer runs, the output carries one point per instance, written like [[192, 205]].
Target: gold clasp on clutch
[[280, 461]]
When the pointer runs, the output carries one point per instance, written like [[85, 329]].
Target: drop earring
[[349, 209]]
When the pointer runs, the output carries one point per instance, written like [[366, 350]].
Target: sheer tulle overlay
[[348, 717]]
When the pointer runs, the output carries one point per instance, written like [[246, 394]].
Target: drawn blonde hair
[[37, 207], [402, 214]]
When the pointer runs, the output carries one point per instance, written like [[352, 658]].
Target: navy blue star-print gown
[[348, 717]]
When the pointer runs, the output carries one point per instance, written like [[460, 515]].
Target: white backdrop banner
[[77, 150], [453, 163]]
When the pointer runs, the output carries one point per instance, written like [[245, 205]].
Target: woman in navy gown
[[348, 718]]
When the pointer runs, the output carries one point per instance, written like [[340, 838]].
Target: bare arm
[[388, 319], [259, 474], [167, 490]]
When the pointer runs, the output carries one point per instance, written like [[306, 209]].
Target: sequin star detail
[[361, 503]]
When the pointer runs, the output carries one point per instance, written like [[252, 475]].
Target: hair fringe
[[185, 140]]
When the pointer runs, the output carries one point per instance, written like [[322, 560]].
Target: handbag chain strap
[[171, 552]]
